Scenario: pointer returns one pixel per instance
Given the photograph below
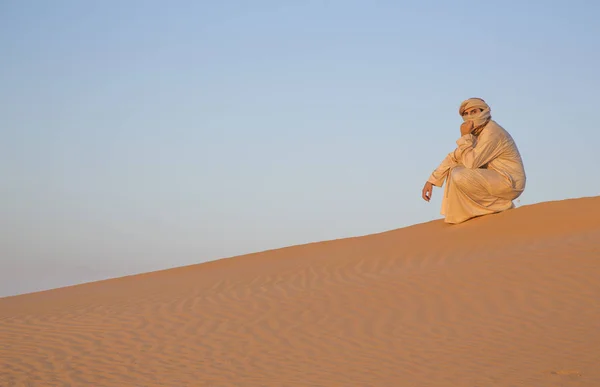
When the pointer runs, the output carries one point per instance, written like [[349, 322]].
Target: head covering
[[479, 119]]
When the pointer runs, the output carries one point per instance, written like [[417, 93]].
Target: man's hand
[[427, 191], [466, 128]]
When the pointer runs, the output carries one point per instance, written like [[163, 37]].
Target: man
[[484, 174]]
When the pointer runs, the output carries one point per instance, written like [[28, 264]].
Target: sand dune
[[505, 300]]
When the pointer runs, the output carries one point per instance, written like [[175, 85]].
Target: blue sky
[[142, 135]]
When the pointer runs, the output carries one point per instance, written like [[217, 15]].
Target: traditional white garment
[[483, 175]]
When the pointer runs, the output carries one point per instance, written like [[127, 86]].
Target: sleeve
[[438, 176], [473, 154]]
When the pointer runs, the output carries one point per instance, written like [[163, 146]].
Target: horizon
[[268, 250], [142, 137]]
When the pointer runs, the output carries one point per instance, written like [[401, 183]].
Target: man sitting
[[484, 174]]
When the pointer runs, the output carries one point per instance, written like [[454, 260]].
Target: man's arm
[[438, 176], [474, 153]]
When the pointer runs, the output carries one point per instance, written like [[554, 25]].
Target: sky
[[144, 135]]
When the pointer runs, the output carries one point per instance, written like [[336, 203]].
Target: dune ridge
[[504, 300]]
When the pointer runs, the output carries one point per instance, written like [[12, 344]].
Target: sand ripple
[[506, 300]]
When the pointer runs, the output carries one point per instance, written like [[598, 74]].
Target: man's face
[[471, 112]]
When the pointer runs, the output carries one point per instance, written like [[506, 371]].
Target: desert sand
[[511, 299]]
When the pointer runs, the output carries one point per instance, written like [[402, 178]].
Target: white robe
[[483, 175]]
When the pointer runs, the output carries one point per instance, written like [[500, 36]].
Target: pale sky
[[143, 135]]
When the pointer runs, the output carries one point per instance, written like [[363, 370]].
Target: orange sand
[[504, 300]]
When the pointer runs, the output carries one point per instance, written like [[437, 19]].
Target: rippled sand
[[504, 300]]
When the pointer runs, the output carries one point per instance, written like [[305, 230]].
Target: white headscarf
[[480, 119]]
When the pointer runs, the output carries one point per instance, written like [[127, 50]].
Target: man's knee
[[460, 176]]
